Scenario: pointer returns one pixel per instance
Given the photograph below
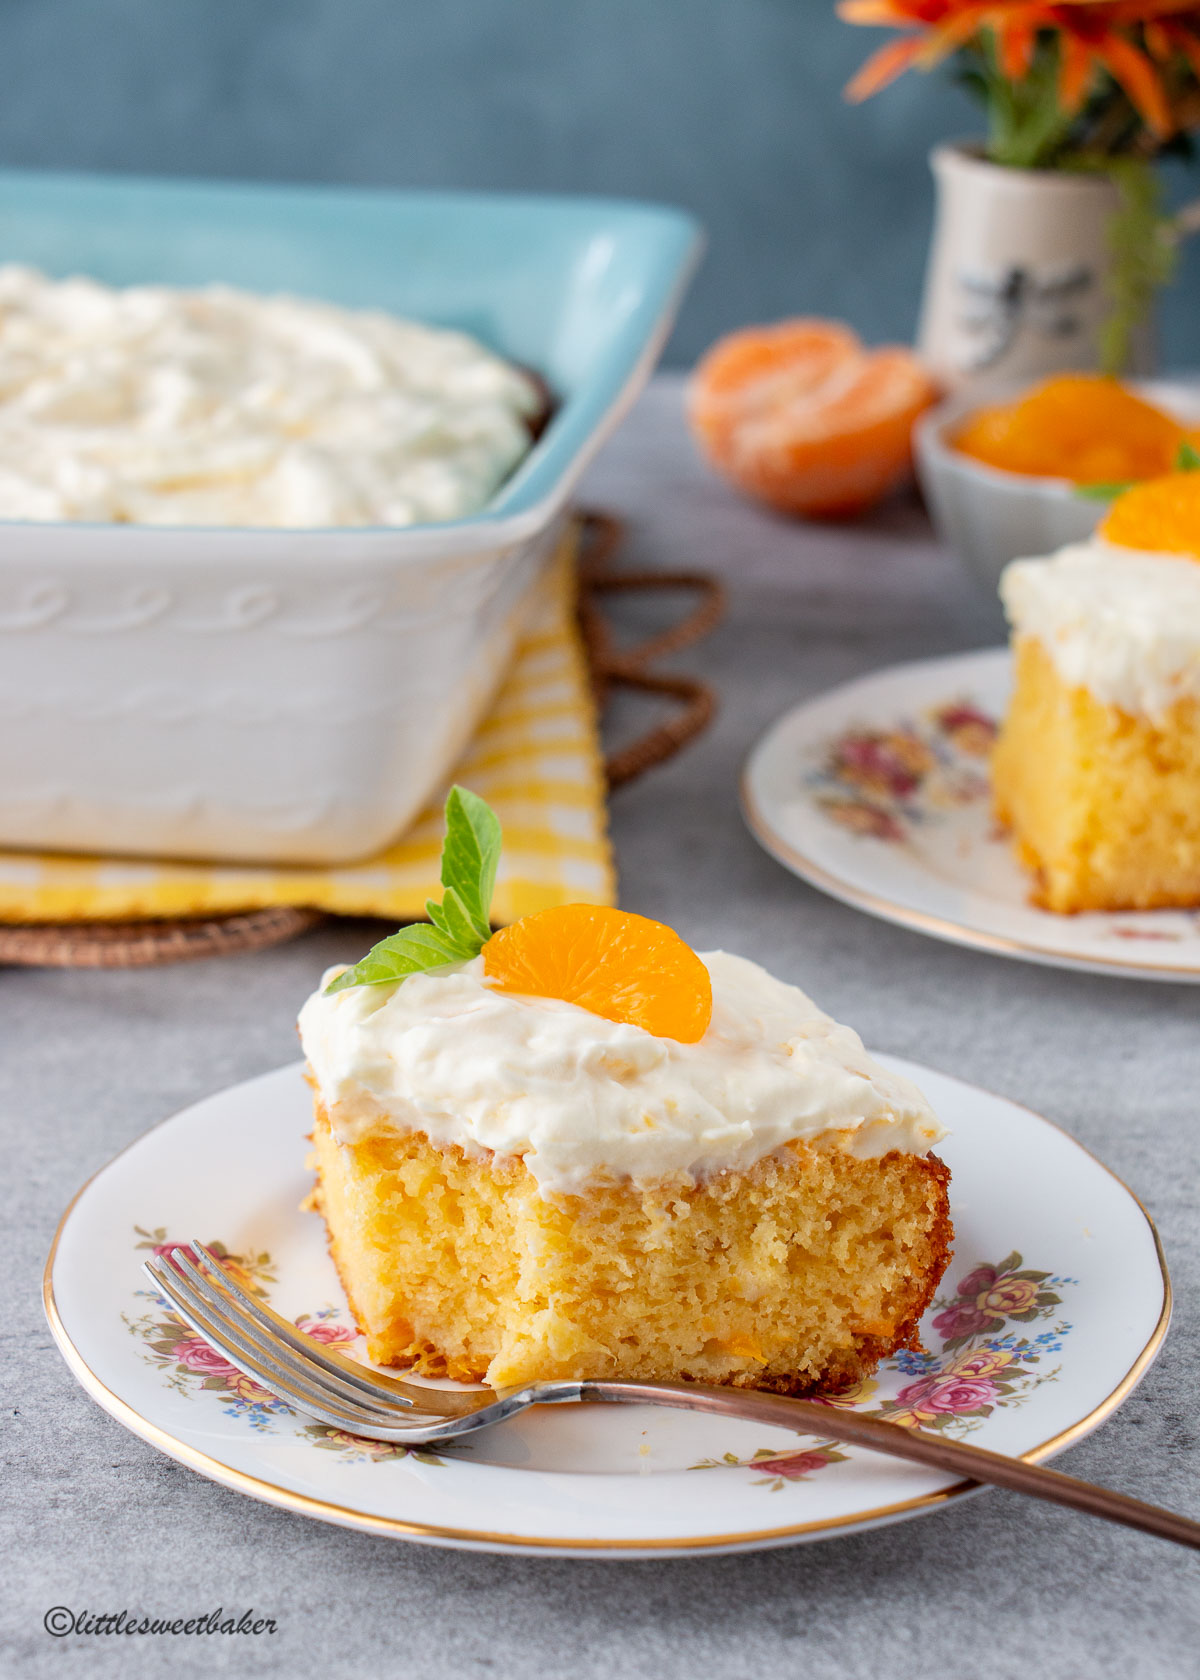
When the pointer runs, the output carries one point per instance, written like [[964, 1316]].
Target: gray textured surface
[[730, 107], [987, 1591]]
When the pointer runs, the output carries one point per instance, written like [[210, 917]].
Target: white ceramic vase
[[1017, 283]]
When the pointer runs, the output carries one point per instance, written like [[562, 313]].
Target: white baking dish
[[297, 696]]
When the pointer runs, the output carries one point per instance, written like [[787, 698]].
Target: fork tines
[[275, 1354]]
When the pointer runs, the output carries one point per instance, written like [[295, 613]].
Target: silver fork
[[347, 1395]]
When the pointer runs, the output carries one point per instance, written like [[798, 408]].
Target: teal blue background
[[731, 108]]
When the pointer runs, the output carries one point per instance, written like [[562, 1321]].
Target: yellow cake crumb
[[803, 1271], [1104, 806]]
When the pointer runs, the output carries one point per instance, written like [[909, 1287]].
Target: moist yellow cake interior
[[1104, 806], [804, 1270]]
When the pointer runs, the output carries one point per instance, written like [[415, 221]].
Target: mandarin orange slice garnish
[[803, 417], [1162, 515], [1079, 426], [623, 967]]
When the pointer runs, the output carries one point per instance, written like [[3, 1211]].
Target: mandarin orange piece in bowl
[[617, 965], [802, 417], [1079, 426], [1161, 515]]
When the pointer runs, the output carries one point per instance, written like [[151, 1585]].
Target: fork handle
[[937, 1452]]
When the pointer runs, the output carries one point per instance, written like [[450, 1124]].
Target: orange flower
[[1134, 41]]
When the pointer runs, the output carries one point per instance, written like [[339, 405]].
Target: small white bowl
[[991, 517]]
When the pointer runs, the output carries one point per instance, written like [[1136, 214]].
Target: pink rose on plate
[[959, 1321], [983, 1296], [956, 1395], [196, 1354], [322, 1330], [915, 1393], [940, 1394], [166, 1251], [791, 1466], [227, 1262], [978, 1282]]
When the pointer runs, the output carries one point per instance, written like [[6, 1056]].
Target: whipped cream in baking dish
[[221, 407], [1120, 622], [584, 1100]]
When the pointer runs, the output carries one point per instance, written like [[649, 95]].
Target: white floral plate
[[877, 792], [1054, 1305]]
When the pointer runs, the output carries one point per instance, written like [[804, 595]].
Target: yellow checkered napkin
[[535, 759]]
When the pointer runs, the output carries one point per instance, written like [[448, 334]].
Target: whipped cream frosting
[[1121, 622], [221, 407], [585, 1101]]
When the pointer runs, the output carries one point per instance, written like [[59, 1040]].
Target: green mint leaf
[[413, 950], [470, 855], [1103, 492], [452, 917], [459, 925], [1188, 459]]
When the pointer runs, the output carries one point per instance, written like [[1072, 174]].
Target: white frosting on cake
[[583, 1100], [221, 407], [1120, 622]]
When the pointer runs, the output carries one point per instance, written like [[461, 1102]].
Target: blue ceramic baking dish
[[296, 696]]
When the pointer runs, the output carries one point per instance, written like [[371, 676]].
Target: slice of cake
[[587, 1151], [1097, 766]]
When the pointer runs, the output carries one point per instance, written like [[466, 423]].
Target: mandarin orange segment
[[803, 417], [1162, 515], [1078, 426], [617, 965]]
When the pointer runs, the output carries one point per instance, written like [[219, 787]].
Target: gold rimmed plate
[[1054, 1305], [877, 792]]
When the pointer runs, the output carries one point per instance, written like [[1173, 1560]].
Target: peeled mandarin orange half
[[1080, 426], [802, 417], [758, 370], [1162, 515], [623, 967]]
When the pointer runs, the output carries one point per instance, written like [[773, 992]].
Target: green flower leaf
[[459, 926], [1188, 458]]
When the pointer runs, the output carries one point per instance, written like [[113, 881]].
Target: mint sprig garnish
[[458, 926], [1186, 460]]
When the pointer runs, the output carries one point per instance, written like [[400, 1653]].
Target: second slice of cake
[[1097, 767]]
